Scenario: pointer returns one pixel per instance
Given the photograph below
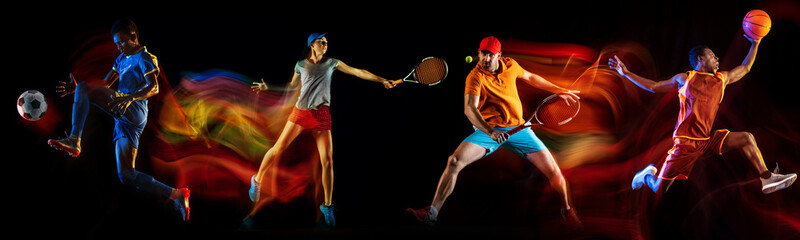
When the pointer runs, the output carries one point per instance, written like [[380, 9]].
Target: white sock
[[434, 212]]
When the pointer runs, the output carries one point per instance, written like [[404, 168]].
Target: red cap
[[490, 44]]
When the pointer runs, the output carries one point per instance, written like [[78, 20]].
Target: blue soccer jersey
[[133, 71]]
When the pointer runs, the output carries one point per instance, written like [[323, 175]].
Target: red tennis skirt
[[319, 119]]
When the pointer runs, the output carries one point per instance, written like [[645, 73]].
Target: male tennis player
[[136, 69], [492, 105], [700, 92]]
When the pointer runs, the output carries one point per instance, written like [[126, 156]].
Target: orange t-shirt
[[498, 102]]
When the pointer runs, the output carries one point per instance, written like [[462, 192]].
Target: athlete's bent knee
[[454, 163]]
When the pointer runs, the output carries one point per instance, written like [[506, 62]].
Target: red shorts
[[319, 119], [686, 151]]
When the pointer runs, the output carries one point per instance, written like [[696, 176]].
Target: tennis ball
[[468, 59]]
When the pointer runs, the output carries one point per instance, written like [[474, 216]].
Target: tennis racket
[[552, 111], [430, 71]]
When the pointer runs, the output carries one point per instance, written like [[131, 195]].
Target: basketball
[[756, 24]]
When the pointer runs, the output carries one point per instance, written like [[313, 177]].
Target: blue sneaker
[[255, 189], [640, 177], [328, 214]]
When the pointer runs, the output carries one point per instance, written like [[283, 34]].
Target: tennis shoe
[[327, 213], [255, 189], [641, 177]]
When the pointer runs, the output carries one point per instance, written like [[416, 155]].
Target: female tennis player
[[311, 113]]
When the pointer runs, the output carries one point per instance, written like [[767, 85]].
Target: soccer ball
[[31, 105]]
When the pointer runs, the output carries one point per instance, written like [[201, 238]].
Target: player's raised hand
[[66, 88], [616, 64], [752, 40], [259, 86]]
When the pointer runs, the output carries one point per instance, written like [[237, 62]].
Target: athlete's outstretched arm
[[363, 74], [645, 83], [570, 96], [67, 88], [738, 72], [292, 86]]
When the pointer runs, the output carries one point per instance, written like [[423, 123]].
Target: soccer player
[[311, 113], [492, 105], [700, 92], [136, 70]]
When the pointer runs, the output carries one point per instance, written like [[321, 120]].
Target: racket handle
[[398, 81], [515, 130]]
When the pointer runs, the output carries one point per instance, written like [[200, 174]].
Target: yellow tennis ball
[[468, 59]]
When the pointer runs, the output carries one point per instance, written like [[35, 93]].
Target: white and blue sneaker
[[255, 189], [641, 177], [327, 213]]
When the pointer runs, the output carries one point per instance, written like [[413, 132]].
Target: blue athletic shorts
[[522, 142], [131, 124]]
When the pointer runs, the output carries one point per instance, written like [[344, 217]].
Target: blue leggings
[[80, 108]]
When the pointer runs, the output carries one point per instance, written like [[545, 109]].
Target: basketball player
[[311, 113], [136, 69], [700, 92], [492, 105]]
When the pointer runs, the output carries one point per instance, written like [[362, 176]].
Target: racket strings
[[430, 71], [556, 111]]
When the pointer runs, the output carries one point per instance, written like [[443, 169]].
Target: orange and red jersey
[[699, 96]]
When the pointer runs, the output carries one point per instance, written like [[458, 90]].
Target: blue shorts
[[131, 124], [522, 142]]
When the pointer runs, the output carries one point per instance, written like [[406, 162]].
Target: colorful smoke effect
[[208, 133], [213, 135]]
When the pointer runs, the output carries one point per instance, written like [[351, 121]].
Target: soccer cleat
[[640, 178], [777, 181], [255, 189], [71, 145], [423, 216], [180, 200], [327, 213]]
